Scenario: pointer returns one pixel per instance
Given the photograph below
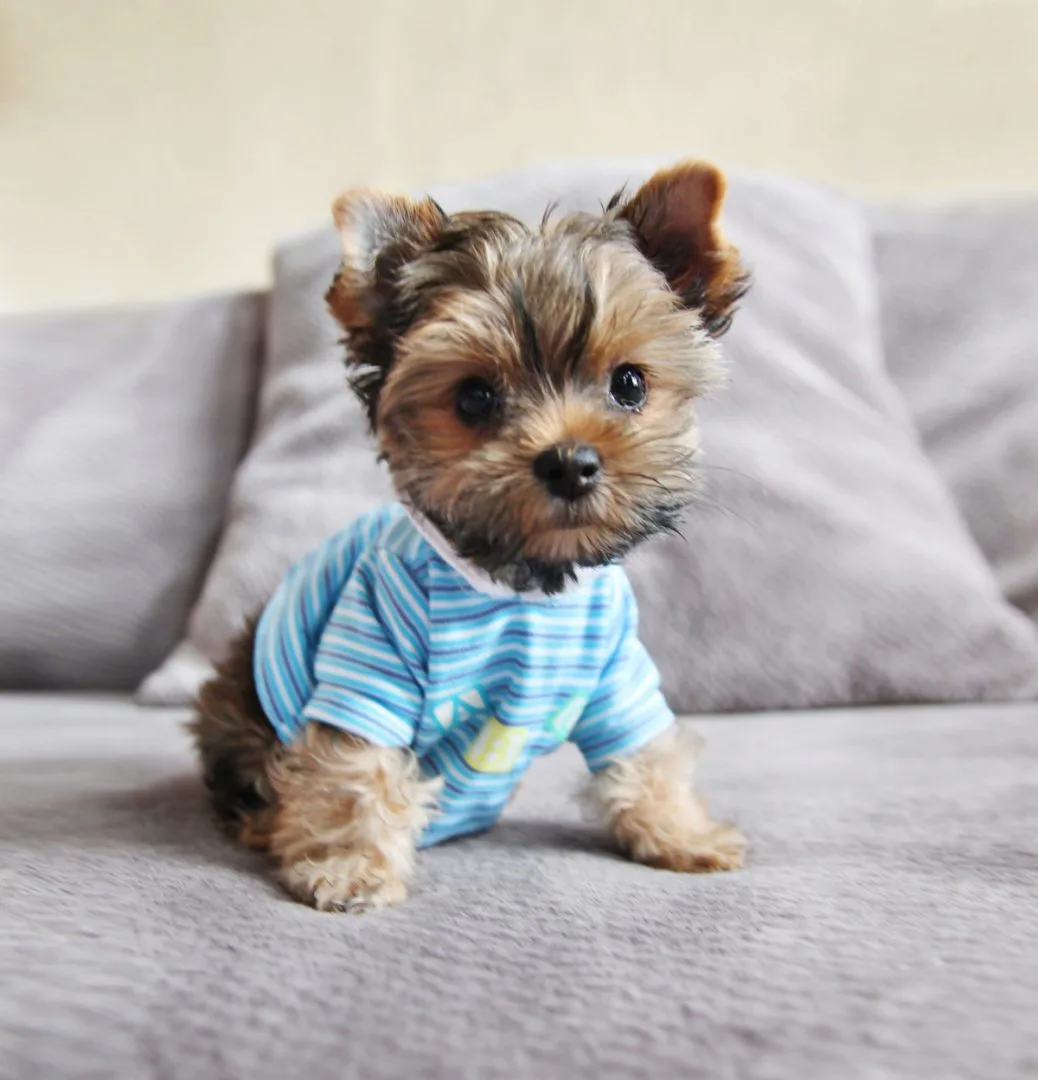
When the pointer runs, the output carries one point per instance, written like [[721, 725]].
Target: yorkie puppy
[[533, 393]]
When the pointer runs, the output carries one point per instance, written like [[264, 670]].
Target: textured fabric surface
[[826, 564], [885, 925], [120, 432], [960, 324]]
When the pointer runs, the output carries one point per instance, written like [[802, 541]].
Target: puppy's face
[[533, 391]]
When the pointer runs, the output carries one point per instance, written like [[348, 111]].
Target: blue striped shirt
[[378, 632]]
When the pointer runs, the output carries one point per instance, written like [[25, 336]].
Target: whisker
[[727, 468], [645, 476], [703, 501]]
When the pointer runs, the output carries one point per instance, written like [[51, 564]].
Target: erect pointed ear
[[674, 216], [379, 233]]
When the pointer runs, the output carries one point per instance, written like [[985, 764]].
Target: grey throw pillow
[[826, 563], [310, 470], [959, 289], [120, 432]]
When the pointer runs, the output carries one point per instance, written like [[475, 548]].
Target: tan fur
[[649, 805], [348, 817]]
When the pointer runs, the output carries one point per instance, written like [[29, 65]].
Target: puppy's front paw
[[353, 882], [654, 815], [722, 848]]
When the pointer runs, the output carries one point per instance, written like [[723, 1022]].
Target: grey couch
[[886, 924]]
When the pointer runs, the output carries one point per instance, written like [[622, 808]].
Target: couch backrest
[[119, 434]]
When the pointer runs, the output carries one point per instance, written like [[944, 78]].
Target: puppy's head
[[533, 390]]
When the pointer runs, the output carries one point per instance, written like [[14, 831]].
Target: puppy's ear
[[674, 216], [379, 234]]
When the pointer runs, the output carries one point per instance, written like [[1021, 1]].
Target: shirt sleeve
[[371, 662], [627, 709], [291, 626]]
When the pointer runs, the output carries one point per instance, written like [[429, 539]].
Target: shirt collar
[[476, 577]]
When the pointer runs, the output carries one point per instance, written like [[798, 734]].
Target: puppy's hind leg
[[237, 744]]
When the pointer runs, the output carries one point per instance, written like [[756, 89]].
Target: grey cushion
[[120, 431], [885, 925], [960, 315], [827, 563], [310, 468]]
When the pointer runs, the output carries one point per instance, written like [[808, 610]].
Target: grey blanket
[[887, 924]]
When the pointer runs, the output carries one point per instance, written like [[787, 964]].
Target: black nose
[[568, 472]]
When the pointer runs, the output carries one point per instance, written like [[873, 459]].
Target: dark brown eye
[[475, 400], [627, 387]]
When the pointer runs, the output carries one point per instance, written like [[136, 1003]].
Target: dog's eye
[[627, 387], [475, 399]]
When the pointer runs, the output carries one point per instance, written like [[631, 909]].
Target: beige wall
[[152, 147]]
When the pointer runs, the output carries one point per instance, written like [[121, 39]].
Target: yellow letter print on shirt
[[497, 747]]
